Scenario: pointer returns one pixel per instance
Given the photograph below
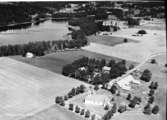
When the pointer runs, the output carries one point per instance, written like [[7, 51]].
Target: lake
[[45, 31]]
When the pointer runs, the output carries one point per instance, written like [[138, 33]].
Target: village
[[83, 60]]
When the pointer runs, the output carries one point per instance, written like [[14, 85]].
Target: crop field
[[108, 40], [55, 61], [26, 89], [153, 42], [54, 112]]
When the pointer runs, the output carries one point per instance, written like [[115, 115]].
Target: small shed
[[29, 55]]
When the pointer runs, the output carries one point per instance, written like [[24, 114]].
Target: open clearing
[[54, 112], [152, 42], [107, 40], [26, 89], [55, 61]]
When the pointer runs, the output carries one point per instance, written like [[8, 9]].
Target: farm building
[[125, 82], [106, 69], [97, 99]]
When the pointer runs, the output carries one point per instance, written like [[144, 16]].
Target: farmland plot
[[25, 89], [153, 42]]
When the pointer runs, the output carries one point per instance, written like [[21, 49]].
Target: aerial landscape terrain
[[87, 60]]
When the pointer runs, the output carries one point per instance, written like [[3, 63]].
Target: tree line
[[39, 48]]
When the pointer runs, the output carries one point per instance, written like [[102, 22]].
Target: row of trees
[[110, 113], [93, 66], [82, 112], [41, 47], [74, 91]]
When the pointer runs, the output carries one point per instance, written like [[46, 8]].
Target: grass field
[[107, 40], [159, 75], [55, 61], [55, 112], [154, 41], [26, 89]]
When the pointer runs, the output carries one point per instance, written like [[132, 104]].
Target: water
[[43, 32]]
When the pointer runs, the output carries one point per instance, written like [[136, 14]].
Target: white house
[[29, 55], [106, 69], [125, 82]]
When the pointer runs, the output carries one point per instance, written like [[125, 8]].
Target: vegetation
[[77, 109], [132, 22], [129, 97], [147, 109], [87, 26], [106, 107], [155, 109], [122, 108], [71, 107], [40, 48], [82, 112], [87, 114], [146, 76], [134, 102], [142, 32], [93, 70]]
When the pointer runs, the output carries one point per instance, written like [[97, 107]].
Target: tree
[[151, 93], [93, 117], [65, 97], [113, 89], [122, 108], [153, 61], [129, 97], [106, 107], [146, 76], [114, 108], [142, 32], [125, 40], [77, 109], [131, 66], [71, 107], [82, 88], [155, 85], [62, 103], [82, 112], [96, 87], [151, 99], [155, 109], [59, 99], [147, 109], [87, 114]]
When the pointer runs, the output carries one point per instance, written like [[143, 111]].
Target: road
[[138, 66]]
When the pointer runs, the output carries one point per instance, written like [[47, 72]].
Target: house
[[106, 69], [125, 82], [29, 55], [97, 99]]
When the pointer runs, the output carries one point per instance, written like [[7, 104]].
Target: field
[[26, 89], [54, 112], [107, 40], [153, 42], [55, 61], [46, 31]]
